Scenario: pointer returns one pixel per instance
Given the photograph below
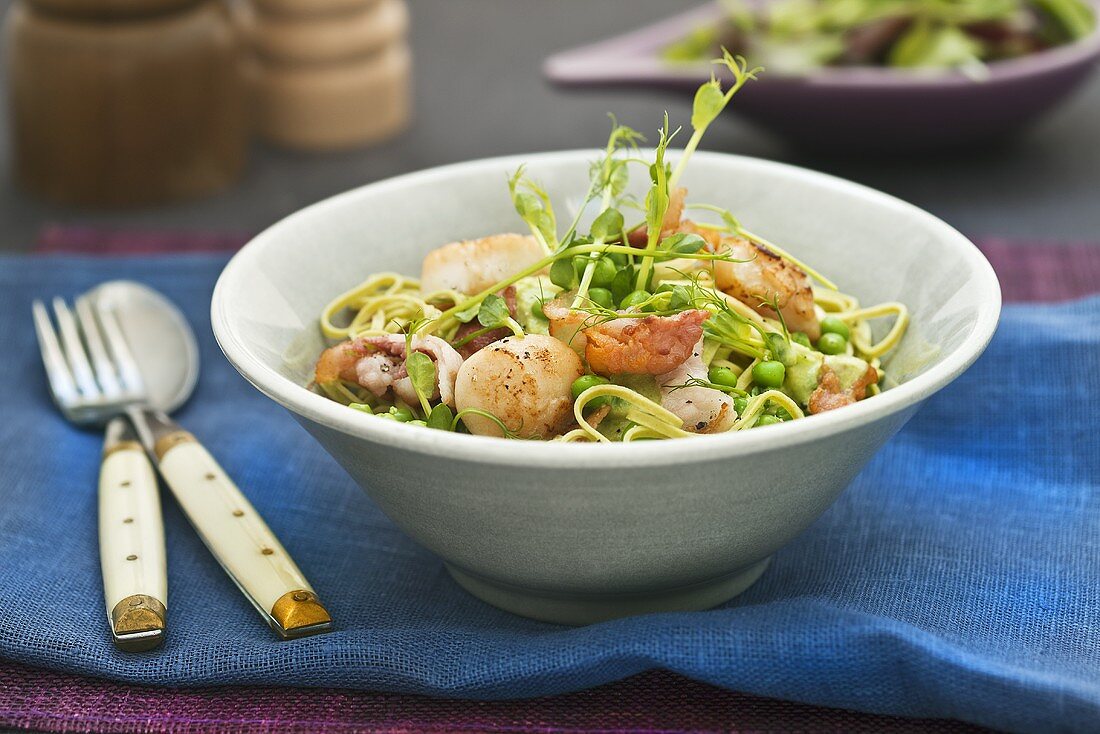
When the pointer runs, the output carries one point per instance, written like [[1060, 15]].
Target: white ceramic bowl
[[581, 532]]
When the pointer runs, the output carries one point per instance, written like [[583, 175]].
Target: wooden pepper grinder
[[331, 73], [125, 102]]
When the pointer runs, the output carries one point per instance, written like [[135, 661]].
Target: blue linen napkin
[[958, 577]]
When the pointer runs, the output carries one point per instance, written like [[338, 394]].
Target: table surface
[[479, 92]]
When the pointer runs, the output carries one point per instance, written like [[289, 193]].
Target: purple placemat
[[89, 240], [651, 702]]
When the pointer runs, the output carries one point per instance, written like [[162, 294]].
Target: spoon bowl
[[168, 357]]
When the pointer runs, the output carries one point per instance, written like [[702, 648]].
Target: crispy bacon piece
[[830, 395], [651, 345]]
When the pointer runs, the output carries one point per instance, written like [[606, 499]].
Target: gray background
[[479, 92]]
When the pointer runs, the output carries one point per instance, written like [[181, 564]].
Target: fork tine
[[104, 369], [74, 350], [127, 368], [57, 370]]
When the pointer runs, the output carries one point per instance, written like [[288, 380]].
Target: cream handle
[[131, 545], [239, 538]]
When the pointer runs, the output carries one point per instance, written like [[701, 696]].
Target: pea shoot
[[633, 299]]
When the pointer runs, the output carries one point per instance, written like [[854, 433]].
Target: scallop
[[525, 382]]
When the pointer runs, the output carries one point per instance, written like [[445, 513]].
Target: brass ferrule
[[298, 613], [169, 441], [139, 623], [122, 446]]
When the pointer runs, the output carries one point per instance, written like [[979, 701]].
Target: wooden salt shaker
[[332, 73], [125, 102]]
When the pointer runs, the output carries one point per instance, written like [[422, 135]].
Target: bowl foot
[[577, 609]]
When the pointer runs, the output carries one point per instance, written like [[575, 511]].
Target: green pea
[[833, 325], [766, 420], [563, 275], [739, 404], [723, 376], [401, 414], [584, 382], [619, 259], [634, 298], [601, 297], [604, 273], [800, 337], [769, 374], [831, 343]]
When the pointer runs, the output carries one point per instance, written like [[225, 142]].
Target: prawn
[[471, 266], [702, 409], [764, 278]]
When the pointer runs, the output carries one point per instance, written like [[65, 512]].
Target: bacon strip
[[652, 345]]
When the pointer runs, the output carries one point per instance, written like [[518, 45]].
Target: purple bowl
[[864, 108]]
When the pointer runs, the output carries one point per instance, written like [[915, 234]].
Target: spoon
[[167, 363]]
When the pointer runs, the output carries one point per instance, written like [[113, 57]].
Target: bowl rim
[[489, 450], [630, 58]]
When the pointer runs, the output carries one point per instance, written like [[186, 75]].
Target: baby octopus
[[378, 364]]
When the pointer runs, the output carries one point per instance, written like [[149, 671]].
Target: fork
[[93, 387]]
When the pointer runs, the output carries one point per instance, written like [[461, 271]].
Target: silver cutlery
[[153, 353]]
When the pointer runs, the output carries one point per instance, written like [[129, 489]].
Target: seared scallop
[[524, 382]]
